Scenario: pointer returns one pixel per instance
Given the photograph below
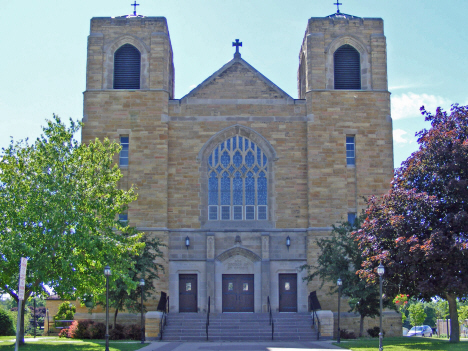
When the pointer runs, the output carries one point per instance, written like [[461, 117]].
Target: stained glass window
[[237, 181]]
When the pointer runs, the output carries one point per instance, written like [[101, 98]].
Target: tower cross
[[237, 43], [134, 8], [337, 6]]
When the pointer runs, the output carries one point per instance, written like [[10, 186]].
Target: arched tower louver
[[127, 62], [347, 68]]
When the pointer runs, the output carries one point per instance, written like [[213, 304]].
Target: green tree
[[59, 202], [463, 315], [124, 296], [6, 323], [442, 309], [340, 257], [66, 311], [419, 230], [417, 314]]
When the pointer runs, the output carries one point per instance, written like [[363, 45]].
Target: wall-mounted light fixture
[[187, 242], [288, 242]]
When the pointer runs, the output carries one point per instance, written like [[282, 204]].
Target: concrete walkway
[[241, 346]]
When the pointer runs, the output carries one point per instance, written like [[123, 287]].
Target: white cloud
[[398, 137], [408, 105]]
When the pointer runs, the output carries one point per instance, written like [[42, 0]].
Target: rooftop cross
[[337, 6], [237, 43], [134, 8]]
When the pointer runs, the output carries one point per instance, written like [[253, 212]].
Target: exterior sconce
[[187, 242], [288, 242]]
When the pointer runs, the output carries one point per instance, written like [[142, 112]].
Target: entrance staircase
[[239, 327]]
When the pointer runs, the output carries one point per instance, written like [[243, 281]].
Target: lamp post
[[380, 272], [142, 285], [35, 324], [107, 273], [339, 282]]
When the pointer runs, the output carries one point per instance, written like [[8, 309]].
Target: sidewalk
[[241, 346]]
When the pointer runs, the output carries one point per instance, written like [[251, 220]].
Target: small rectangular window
[[262, 212], [350, 151], [351, 217], [124, 143], [123, 216], [249, 212], [225, 213], [213, 213], [237, 212]]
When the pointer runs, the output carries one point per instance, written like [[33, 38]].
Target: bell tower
[[342, 76], [129, 82]]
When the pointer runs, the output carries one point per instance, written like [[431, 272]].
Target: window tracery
[[237, 181]]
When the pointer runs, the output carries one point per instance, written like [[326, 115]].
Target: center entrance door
[[238, 292]]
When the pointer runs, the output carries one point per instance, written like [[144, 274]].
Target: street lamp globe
[[380, 269], [107, 271]]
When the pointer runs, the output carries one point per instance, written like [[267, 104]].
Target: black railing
[[163, 321], [208, 317], [314, 317], [272, 323]]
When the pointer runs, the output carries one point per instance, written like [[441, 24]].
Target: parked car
[[422, 330]]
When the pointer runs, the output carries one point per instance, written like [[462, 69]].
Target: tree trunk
[[115, 317], [454, 326], [361, 326], [21, 331]]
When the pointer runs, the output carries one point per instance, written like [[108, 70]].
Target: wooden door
[[238, 292], [288, 292], [188, 293]]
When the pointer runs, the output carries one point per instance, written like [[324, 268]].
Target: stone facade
[[310, 185]]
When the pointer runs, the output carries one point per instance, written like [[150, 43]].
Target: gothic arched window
[[347, 68], [127, 63], [237, 181]]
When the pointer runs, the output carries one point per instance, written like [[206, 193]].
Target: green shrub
[[6, 323], [374, 332], [344, 334], [132, 332], [79, 329], [96, 330]]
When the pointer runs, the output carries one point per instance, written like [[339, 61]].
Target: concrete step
[[239, 327]]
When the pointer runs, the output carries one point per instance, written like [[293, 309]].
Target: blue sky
[[43, 61]]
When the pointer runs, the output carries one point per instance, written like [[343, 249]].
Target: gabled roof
[[237, 80]]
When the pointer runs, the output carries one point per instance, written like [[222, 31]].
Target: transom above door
[[238, 292]]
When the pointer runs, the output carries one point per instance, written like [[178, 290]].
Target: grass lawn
[[7, 343], [404, 344]]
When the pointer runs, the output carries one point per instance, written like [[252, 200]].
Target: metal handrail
[[163, 321], [314, 316], [272, 323], [208, 317]]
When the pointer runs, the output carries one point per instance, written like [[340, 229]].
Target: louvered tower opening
[[127, 61], [347, 66]]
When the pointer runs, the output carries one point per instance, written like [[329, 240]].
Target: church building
[[238, 178]]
